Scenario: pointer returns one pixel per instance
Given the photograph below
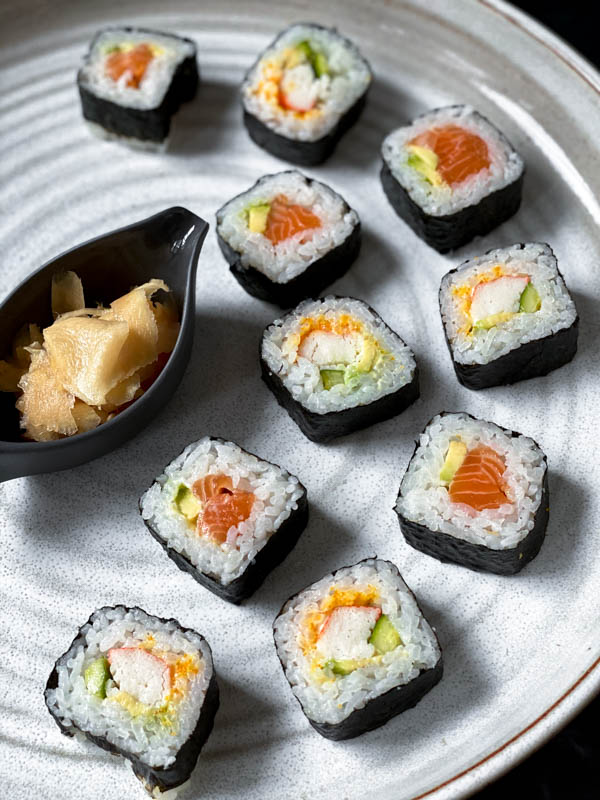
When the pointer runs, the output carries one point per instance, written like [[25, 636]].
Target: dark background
[[568, 767]]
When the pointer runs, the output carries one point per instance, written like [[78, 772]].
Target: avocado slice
[[494, 319], [385, 637], [96, 676], [454, 458], [317, 60], [367, 355], [530, 299], [186, 503], [331, 377], [320, 65], [425, 161], [257, 218], [344, 667]]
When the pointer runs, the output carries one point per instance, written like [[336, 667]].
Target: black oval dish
[[166, 245]]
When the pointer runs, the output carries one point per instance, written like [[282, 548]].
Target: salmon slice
[[461, 153], [134, 62], [478, 481], [224, 506], [286, 219]]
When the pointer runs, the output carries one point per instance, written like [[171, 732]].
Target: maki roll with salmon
[[288, 237], [141, 687], [475, 494], [304, 92], [336, 367], [451, 176], [132, 82], [356, 649], [225, 516], [508, 316]]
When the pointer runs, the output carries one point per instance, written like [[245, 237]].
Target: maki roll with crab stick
[[288, 237], [132, 82], [356, 649], [475, 494], [141, 687], [508, 316], [336, 367], [451, 176], [225, 516], [304, 92]]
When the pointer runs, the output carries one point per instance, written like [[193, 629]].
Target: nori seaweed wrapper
[[382, 708], [151, 777], [532, 359], [309, 283], [153, 124], [451, 549], [451, 231], [277, 547], [305, 154], [322, 428]]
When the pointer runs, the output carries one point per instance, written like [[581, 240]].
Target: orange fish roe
[[342, 325], [461, 153], [134, 62], [224, 506], [478, 481], [286, 219]]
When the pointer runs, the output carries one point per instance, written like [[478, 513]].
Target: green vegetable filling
[[96, 677], [344, 667], [317, 60], [385, 637], [332, 377], [530, 299], [425, 162]]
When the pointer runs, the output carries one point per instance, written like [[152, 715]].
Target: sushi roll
[[336, 367], [288, 237], [356, 649], [508, 316], [141, 687], [304, 92], [451, 176], [475, 494], [132, 82], [225, 516]]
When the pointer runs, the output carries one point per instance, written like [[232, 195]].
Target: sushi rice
[[333, 93], [557, 310], [424, 498], [276, 494], [393, 367], [506, 165], [144, 735], [327, 699], [285, 260]]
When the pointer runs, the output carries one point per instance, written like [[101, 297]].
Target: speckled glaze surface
[[520, 652]]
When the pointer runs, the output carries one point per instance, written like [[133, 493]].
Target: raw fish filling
[[131, 62], [475, 477], [448, 155], [214, 507], [279, 220]]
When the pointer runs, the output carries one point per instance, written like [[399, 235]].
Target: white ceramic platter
[[521, 653]]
